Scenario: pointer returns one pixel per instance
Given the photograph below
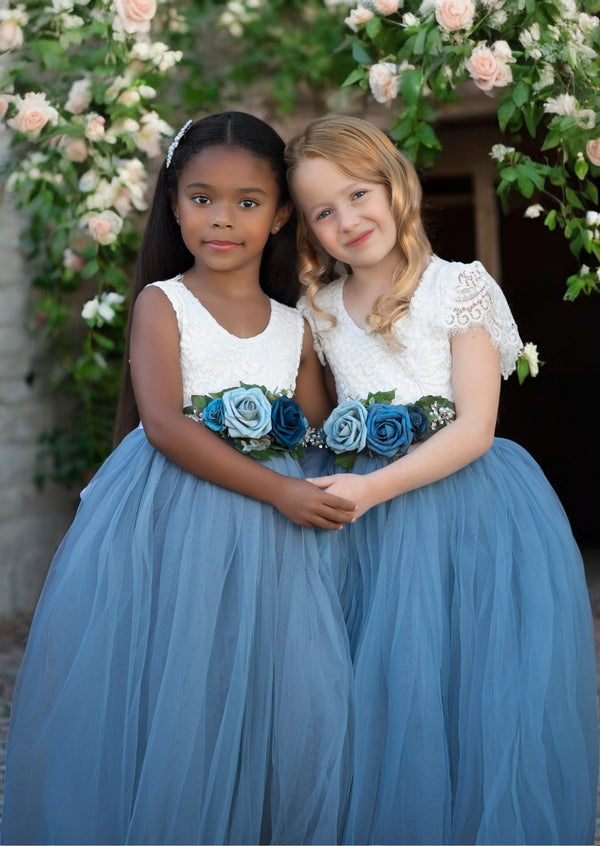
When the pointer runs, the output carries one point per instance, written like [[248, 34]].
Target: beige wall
[[32, 522]]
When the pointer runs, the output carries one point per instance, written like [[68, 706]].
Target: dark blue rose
[[213, 415], [419, 420], [288, 423], [389, 430]]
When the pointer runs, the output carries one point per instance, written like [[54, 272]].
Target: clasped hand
[[309, 505]]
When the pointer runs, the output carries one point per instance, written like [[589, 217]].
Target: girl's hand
[[308, 505], [349, 486]]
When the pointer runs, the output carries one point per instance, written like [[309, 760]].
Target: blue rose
[[212, 416], [288, 423], [419, 420], [345, 428], [389, 430], [246, 413]]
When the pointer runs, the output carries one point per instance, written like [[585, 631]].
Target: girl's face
[[351, 218], [228, 204]]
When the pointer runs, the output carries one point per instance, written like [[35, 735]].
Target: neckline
[[346, 314], [213, 319]]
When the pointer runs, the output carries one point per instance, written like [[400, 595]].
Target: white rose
[[128, 98], [358, 16], [534, 210], [564, 104], [135, 15], [80, 96], [33, 113], [454, 14], [383, 81], [530, 352], [94, 129], [90, 309], [89, 181]]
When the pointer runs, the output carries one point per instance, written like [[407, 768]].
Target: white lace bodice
[[450, 298], [212, 359]]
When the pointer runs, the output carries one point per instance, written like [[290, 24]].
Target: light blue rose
[[345, 430], [246, 413]]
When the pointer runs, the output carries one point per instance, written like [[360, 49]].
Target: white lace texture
[[451, 298], [212, 359]]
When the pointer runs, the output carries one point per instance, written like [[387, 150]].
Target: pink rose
[[76, 150], [104, 226], [593, 151], [386, 7], [487, 69], [72, 260], [454, 14], [135, 15], [33, 113], [383, 81], [11, 35]]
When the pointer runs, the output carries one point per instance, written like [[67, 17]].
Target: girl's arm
[[476, 388], [311, 392], [157, 382]]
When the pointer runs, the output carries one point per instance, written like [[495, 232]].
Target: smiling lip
[[221, 246], [360, 239]]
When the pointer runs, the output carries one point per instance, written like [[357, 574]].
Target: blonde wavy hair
[[362, 151]]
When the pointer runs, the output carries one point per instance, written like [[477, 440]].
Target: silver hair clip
[[175, 142]]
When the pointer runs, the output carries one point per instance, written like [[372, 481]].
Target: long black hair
[[162, 252]]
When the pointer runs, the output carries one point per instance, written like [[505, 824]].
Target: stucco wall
[[32, 522]]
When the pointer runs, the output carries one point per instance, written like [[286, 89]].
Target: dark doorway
[[552, 416]]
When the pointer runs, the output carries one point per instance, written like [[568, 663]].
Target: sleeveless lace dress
[[467, 611], [187, 675]]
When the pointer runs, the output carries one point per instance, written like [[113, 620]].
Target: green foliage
[[539, 61], [77, 88]]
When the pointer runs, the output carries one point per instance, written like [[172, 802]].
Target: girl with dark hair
[[187, 674], [464, 590]]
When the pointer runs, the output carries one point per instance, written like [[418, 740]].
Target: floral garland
[[539, 62], [263, 423], [259, 422], [378, 427]]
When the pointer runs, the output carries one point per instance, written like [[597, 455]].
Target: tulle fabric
[[475, 678], [187, 676]]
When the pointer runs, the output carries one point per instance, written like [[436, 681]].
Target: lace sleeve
[[477, 300], [309, 315]]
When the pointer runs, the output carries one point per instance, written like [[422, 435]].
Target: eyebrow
[[207, 187]]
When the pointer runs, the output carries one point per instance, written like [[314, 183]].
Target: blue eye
[[358, 194], [323, 214]]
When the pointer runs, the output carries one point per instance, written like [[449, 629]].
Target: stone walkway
[[13, 635]]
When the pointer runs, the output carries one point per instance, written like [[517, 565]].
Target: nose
[[221, 219], [347, 218]]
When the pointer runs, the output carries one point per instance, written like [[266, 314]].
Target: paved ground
[[13, 634]]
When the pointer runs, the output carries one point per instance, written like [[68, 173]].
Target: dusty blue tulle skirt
[[187, 675], [472, 640]]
